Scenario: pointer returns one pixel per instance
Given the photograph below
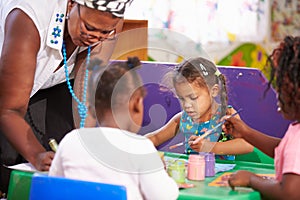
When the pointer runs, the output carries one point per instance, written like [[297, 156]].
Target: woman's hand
[[44, 160], [240, 179]]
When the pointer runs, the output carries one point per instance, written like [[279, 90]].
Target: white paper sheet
[[28, 167]]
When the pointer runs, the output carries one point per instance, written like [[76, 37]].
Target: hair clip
[[204, 71], [218, 73]]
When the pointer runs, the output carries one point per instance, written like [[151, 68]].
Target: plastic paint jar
[[176, 170], [210, 164], [196, 167]]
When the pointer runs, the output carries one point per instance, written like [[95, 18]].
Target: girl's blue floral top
[[188, 127]]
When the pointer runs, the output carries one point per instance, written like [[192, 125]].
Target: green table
[[19, 185], [203, 191]]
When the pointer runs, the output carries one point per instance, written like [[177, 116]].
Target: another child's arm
[[230, 147], [269, 188], [239, 129], [166, 132]]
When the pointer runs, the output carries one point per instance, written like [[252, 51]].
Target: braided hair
[[206, 74], [285, 72], [117, 83]]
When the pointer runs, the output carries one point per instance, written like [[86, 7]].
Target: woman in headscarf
[[43, 44]]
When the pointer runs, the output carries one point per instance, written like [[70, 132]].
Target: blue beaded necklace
[[82, 108]]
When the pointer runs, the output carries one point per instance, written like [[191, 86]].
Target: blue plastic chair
[[59, 188]]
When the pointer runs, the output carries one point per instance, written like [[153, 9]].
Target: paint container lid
[[178, 164], [209, 156], [196, 158]]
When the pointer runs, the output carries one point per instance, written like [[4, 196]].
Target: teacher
[[43, 44]]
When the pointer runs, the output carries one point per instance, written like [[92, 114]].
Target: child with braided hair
[[201, 89], [285, 76]]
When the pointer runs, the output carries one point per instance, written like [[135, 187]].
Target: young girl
[[113, 153], [285, 73], [199, 86]]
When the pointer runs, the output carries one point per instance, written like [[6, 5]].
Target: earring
[[67, 16]]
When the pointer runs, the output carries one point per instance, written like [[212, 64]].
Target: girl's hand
[[195, 146], [201, 145], [44, 160], [240, 179], [235, 127]]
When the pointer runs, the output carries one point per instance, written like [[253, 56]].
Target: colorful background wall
[[235, 33]]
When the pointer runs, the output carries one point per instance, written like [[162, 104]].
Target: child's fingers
[[230, 111], [230, 184], [193, 137], [231, 181], [197, 140], [227, 127], [195, 147]]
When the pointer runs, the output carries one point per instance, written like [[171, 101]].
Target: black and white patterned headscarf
[[115, 7]]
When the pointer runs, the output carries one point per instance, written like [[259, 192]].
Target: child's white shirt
[[114, 156]]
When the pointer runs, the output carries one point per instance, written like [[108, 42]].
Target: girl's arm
[[18, 65], [230, 147], [166, 132], [268, 188]]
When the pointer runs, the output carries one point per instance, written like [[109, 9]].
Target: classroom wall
[[219, 26], [246, 87]]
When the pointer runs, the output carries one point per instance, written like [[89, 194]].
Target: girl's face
[[195, 101], [89, 26]]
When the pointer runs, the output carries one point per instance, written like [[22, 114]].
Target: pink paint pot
[[196, 167]]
